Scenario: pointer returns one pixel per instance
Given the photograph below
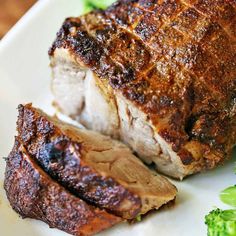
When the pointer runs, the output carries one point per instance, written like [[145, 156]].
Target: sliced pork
[[99, 170], [33, 194]]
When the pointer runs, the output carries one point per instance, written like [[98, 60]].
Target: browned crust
[[33, 194], [62, 158], [175, 60]]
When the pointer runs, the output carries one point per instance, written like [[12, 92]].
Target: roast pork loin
[[33, 194], [101, 171], [158, 75]]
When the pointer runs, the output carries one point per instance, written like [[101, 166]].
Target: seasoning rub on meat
[[158, 75], [77, 180]]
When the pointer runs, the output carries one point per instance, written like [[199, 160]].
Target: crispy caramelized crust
[[99, 170], [175, 60], [64, 159], [33, 194]]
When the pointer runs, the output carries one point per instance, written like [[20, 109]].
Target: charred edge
[[52, 157], [25, 205], [56, 156], [62, 35], [186, 157]]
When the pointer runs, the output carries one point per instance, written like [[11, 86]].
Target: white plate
[[25, 77]]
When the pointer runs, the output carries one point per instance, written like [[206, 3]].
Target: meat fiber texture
[[33, 194], [77, 180], [97, 169], [158, 75]]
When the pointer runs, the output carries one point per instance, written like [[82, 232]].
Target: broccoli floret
[[221, 223], [90, 5]]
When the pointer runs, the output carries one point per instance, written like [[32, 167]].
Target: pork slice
[[99, 170], [160, 76], [33, 194]]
